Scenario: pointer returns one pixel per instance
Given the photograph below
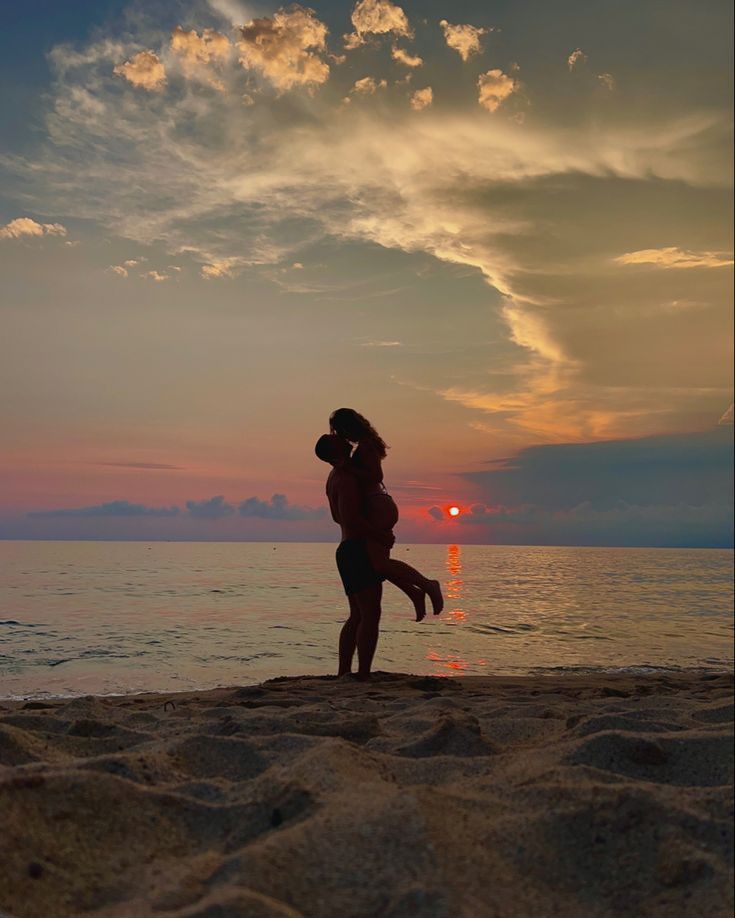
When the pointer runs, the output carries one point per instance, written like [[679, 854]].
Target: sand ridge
[[570, 795]]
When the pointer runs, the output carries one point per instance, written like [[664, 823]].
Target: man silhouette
[[362, 584]]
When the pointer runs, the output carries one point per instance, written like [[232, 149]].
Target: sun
[[453, 511]]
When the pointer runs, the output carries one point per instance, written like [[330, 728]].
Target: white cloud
[[381, 344], [576, 57], [422, 98], [156, 276], [144, 71], [607, 80], [286, 48], [25, 226], [495, 87], [405, 57], [376, 17], [464, 39], [120, 270], [674, 257]]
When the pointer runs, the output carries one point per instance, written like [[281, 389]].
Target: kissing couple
[[366, 514]]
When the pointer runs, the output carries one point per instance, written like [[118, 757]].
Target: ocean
[[114, 617]]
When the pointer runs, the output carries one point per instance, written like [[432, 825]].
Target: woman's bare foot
[[418, 598], [434, 592]]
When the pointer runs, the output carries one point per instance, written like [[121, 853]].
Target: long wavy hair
[[348, 423]]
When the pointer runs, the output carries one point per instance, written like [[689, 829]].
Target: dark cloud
[[278, 508], [216, 508], [662, 490], [436, 512], [114, 508]]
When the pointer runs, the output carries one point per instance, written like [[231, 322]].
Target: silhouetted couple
[[366, 514]]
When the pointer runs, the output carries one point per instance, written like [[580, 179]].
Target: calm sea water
[[98, 617]]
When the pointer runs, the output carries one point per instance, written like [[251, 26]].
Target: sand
[[569, 795]]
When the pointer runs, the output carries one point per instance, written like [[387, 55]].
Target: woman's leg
[[407, 578]]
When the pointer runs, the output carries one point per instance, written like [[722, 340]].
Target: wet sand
[[569, 795]]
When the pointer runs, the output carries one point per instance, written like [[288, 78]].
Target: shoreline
[[635, 670], [575, 793]]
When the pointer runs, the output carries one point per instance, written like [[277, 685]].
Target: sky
[[500, 230]]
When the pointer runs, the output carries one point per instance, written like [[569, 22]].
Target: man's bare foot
[[435, 595], [419, 603]]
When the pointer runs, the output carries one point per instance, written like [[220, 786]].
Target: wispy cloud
[[114, 508], [674, 257]]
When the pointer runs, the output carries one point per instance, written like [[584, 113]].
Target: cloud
[[576, 57], [25, 226], [285, 48], [674, 257], [405, 57], [198, 52], [382, 344], [157, 466], [607, 80], [278, 508], [156, 276], [727, 418], [376, 17], [216, 508], [368, 86], [115, 508], [495, 87], [577, 350], [144, 71], [221, 267], [659, 490], [422, 98], [464, 39], [119, 270], [437, 513]]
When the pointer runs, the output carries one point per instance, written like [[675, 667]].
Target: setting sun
[[454, 511]]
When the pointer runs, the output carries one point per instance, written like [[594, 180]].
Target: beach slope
[[574, 795]]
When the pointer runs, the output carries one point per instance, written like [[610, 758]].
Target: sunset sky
[[501, 230]]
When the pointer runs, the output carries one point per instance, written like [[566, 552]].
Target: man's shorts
[[355, 569]]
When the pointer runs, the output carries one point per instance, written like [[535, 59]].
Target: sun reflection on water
[[454, 585]]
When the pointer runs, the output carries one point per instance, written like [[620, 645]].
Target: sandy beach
[[568, 795]]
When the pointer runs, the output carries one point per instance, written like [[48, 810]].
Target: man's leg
[[368, 603], [348, 638]]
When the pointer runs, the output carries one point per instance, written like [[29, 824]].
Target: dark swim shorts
[[355, 569]]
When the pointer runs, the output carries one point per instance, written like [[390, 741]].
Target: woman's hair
[[347, 423]]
